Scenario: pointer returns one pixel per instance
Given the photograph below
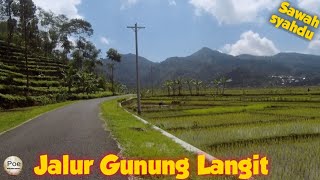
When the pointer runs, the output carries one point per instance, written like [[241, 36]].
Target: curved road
[[76, 130]]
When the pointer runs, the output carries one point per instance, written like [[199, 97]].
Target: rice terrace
[[282, 123]]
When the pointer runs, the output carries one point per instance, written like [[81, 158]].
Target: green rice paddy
[[282, 124]]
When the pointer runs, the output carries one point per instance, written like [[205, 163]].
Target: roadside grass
[[139, 140], [12, 118]]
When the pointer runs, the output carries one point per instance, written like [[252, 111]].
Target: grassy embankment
[[12, 118], [139, 140]]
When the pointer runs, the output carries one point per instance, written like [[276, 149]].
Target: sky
[[182, 27]]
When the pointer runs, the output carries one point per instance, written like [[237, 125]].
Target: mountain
[[204, 64], [125, 71], [207, 64]]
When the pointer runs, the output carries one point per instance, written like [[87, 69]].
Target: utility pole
[[151, 80], [136, 28]]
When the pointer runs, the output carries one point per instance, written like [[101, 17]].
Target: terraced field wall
[[44, 78]]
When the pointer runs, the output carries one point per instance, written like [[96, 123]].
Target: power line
[[136, 28]]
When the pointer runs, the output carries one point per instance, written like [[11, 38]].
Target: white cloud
[[105, 40], [67, 7], [251, 43], [172, 2], [310, 5], [234, 11], [314, 46], [128, 3]]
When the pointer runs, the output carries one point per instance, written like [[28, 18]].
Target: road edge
[[31, 119], [182, 143]]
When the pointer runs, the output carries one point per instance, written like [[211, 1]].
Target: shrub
[[9, 101]]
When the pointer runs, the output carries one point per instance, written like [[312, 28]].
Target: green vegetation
[[39, 63], [46, 84], [139, 140], [114, 57], [136, 138], [282, 124], [186, 86], [13, 118]]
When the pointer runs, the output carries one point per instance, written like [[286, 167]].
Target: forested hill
[[125, 71], [47, 58], [290, 69]]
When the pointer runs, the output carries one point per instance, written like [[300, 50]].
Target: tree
[[69, 78], [152, 80], [50, 33], [67, 47], [78, 53], [174, 87], [2, 10], [216, 83], [223, 81], [168, 84], [114, 57], [11, 22], [91, 54], [85, 56], [122, 88], [6, 13], [198, 84], [179, 83], [77, 27], [86, 82], [72, 28], [189, 82], [26, 12], [84, 61], [82, 68], [102, 83]]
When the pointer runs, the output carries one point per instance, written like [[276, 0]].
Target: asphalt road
[[76, 130]]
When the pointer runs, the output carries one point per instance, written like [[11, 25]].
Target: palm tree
[[189, 82], [198, 84], [113, 56], [223, 80], [179, 83]]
